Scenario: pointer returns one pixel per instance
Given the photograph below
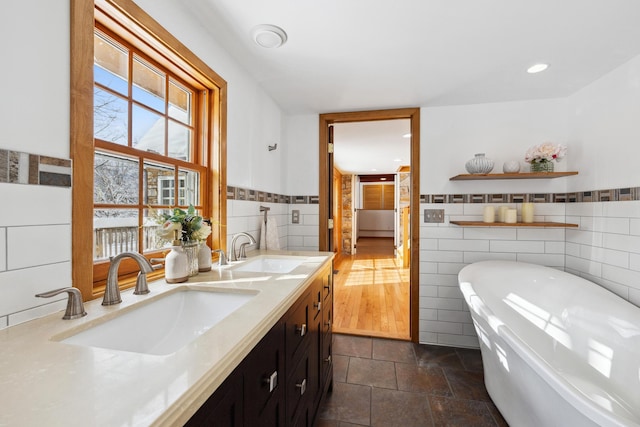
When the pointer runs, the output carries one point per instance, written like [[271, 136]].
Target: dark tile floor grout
[[386, 383]]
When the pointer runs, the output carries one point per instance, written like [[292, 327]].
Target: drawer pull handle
[[317, 305], [302, 386], [328, 360], [272, 380], [301, 330], [327, 287]]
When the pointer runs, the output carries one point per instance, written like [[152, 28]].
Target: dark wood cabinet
[[264, 376], [224, 407], [282, 382]]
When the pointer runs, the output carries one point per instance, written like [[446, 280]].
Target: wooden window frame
[[174, 55]]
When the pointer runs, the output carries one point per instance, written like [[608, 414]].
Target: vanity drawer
[[264, 380], [297, 328], [298, 392]]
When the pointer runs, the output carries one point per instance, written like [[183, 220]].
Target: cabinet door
[[264, 381], [224, 408]]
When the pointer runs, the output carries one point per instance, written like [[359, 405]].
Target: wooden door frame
[[413, 114]]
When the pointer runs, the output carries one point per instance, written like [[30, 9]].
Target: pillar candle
[[489, 214], [511, 216], [527, 212], [502, 213]]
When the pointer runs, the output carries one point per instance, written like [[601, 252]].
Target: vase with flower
[[542, 157], [190, 228]]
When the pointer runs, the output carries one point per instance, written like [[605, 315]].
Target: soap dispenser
[[175, 265]]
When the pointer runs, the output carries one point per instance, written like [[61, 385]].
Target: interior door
[[326, 201]]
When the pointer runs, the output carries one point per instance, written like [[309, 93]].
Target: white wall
[[35, 77], [301, 136], [604, 128], [503, 131]]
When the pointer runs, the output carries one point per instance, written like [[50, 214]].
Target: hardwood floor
[[371, 292]]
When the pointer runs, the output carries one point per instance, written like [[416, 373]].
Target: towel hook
[[272, 147]]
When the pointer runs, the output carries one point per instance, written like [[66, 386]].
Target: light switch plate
[[434, 215]]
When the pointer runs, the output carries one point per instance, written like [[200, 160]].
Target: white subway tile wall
[[244, 215], [304, 236], [604, 249], [3, 249], [445, 249], [35, 250]]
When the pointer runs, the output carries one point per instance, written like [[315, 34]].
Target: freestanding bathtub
[[558, 350]]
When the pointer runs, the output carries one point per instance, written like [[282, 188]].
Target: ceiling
[[353, 55], [372, 148]]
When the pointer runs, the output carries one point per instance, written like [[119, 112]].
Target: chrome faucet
[[234, 256], [112, 290], [223, 258], [75, 308]]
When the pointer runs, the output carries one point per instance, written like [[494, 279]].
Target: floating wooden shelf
[[522, 175], [516, 224]]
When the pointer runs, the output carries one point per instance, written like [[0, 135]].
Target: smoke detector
[[268, 36]]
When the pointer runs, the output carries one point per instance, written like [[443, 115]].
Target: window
[[154, 138], [148, 144]]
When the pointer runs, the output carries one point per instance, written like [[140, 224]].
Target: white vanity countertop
[[45, 382]]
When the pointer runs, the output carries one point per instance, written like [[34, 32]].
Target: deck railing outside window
[[110, 241]]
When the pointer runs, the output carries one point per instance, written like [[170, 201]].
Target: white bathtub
[[557, 349]]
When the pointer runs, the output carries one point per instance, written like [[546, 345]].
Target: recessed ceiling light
[[406, 135], [397, 160], [537, 68], [383, 179], [268, 36]]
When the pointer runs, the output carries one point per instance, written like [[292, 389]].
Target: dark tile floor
[[386, 383]]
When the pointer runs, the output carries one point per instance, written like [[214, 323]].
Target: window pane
[[159, 186], [148, 130], [114, 231], [150, 240], [115, 180], [110, 117], [179, 102], [148, 85], [179, 141], [110, 64], [188, 187]]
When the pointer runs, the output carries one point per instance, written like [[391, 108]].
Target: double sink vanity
[[245, 344]]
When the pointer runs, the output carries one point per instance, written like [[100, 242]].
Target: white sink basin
[[270, 264], [163, 326]]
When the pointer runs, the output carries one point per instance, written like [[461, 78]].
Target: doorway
[[328, 209]]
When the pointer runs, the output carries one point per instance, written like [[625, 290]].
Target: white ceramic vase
[[176, 265], [512, 166], [479, 165], [204, 257]]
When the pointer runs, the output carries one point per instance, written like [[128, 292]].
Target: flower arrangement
[[546, 152], [188, 225]]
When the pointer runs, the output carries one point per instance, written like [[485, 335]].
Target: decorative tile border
[[24, 168], [238, 193], [610, 195]]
